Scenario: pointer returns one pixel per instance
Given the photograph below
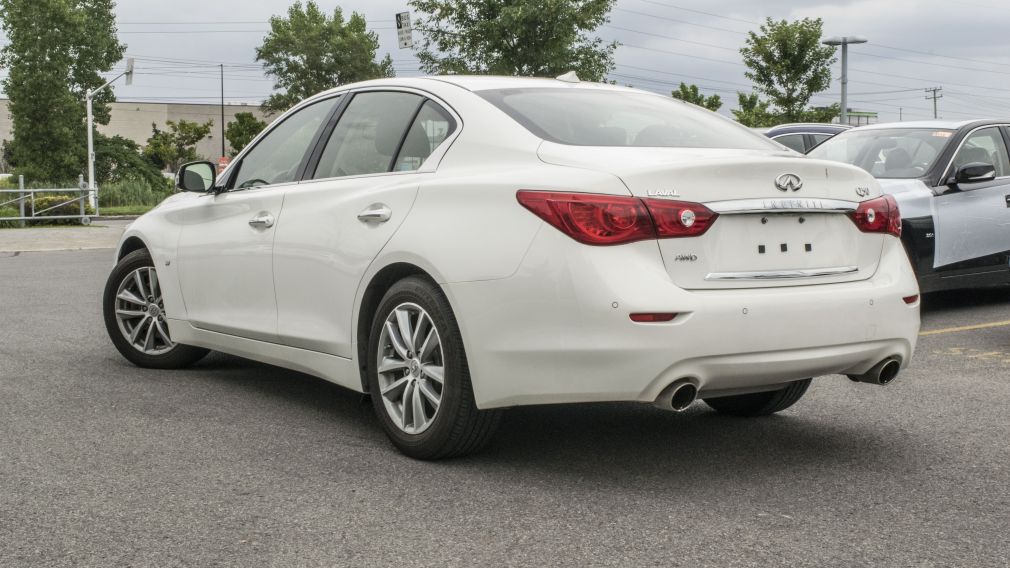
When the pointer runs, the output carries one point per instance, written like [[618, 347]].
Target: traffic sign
[[404, 33]]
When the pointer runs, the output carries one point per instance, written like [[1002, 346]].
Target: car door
[[973, 220], [225, 250], [359, 190]]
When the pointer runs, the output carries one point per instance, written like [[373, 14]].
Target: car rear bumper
[[559, 330]]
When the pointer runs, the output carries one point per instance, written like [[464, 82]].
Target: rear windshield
[[591, 117]]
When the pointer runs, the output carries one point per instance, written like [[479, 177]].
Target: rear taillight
[[612, 219], [878, 215]]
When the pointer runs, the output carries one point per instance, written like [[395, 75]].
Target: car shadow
[[605, 442], [953, 300]]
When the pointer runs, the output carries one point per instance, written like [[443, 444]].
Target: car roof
[[942, 124], [800, 128], [484, 82]]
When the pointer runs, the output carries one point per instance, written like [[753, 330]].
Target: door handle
[[377, 212], [262, 221]]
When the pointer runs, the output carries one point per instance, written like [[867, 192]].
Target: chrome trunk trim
[[782, 205], [783, 274]]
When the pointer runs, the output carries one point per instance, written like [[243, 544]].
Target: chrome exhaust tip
[[678, 396], [880, 374]]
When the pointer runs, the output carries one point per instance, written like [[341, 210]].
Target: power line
[[714, 15]]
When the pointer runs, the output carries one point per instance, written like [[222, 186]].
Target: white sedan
[[457, 245]]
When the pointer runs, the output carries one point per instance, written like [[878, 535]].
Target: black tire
[[458, 427], [176, 357], [760, 403]]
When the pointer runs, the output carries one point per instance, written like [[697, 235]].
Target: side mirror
[[196, 176], [975, 172]]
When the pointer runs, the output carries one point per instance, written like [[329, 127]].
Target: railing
[[26, 200]]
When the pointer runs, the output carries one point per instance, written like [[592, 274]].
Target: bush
[[8, 212], [134, 192]]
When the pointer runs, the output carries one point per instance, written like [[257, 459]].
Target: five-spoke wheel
[[418, 375], [411, 367], [135, 316]]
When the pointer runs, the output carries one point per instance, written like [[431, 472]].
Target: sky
[[962, 46]]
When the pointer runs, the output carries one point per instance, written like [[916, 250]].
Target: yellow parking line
[[966, 328]]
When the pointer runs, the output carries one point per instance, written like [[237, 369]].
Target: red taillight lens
[[612, 219], [879, 215], [653, 317], [680, 218], [592, 219]]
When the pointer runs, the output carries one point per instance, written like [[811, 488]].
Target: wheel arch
[[130, 244], [378, 285]]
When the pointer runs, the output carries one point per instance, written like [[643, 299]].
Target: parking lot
[[237, 463]]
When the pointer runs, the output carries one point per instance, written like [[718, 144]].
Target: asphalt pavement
[[235, 463]]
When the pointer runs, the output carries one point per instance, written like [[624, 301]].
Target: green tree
[[120, 159], [56, 50], [242, 130], [822, 114], [754, 112], [308, 52], [691, 94], [169, 149], [788, 64], [543, 38]]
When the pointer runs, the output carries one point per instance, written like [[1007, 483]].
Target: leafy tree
[[120, 159], [788, 64], [754, 112], [174, 147], [690, 94], [514, 37], [55, 52], [308, 52], [242, 130], [822, 114]]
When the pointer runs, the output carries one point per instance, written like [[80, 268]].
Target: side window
[[430, 128], [818, 138], [276, 157], [367, 135], [794, 141], [985, 146]]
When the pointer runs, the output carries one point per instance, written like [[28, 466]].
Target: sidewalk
[[100, 234]]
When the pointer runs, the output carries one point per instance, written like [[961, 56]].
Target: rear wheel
[[135, 316], [760, 403], [418, 375]]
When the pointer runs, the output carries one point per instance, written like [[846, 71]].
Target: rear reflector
[[880, 215], [654, 317], [911, 299], [596, 219]]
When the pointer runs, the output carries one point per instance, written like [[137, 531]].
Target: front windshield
[[892, 153], [603, 117]]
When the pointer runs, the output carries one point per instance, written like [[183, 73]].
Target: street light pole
[[844, 42], [89, 96]]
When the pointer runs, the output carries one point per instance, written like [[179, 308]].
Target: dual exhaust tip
[[880, 374], [678, 396], [682, 394]]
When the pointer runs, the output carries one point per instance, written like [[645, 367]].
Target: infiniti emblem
[[788, 182]]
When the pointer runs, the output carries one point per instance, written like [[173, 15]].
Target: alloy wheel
[[140, 312], [411, 368]]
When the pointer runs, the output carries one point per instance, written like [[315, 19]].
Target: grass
[[124, 210]]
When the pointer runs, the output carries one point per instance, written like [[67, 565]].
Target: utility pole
[[222, 111], [843, 118], [89, 95], [936, 95], [899, 113]]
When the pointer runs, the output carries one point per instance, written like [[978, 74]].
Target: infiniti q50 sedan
[[457, 245]]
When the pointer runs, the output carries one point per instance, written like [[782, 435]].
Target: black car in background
[[803, 136], [951, 180]]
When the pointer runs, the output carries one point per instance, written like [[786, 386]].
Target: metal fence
[[29, 208]]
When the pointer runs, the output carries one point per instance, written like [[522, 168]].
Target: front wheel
[[418, 375], [760, 403], [135, 316]]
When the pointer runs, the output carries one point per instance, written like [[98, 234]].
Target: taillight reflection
[[612, 219]]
